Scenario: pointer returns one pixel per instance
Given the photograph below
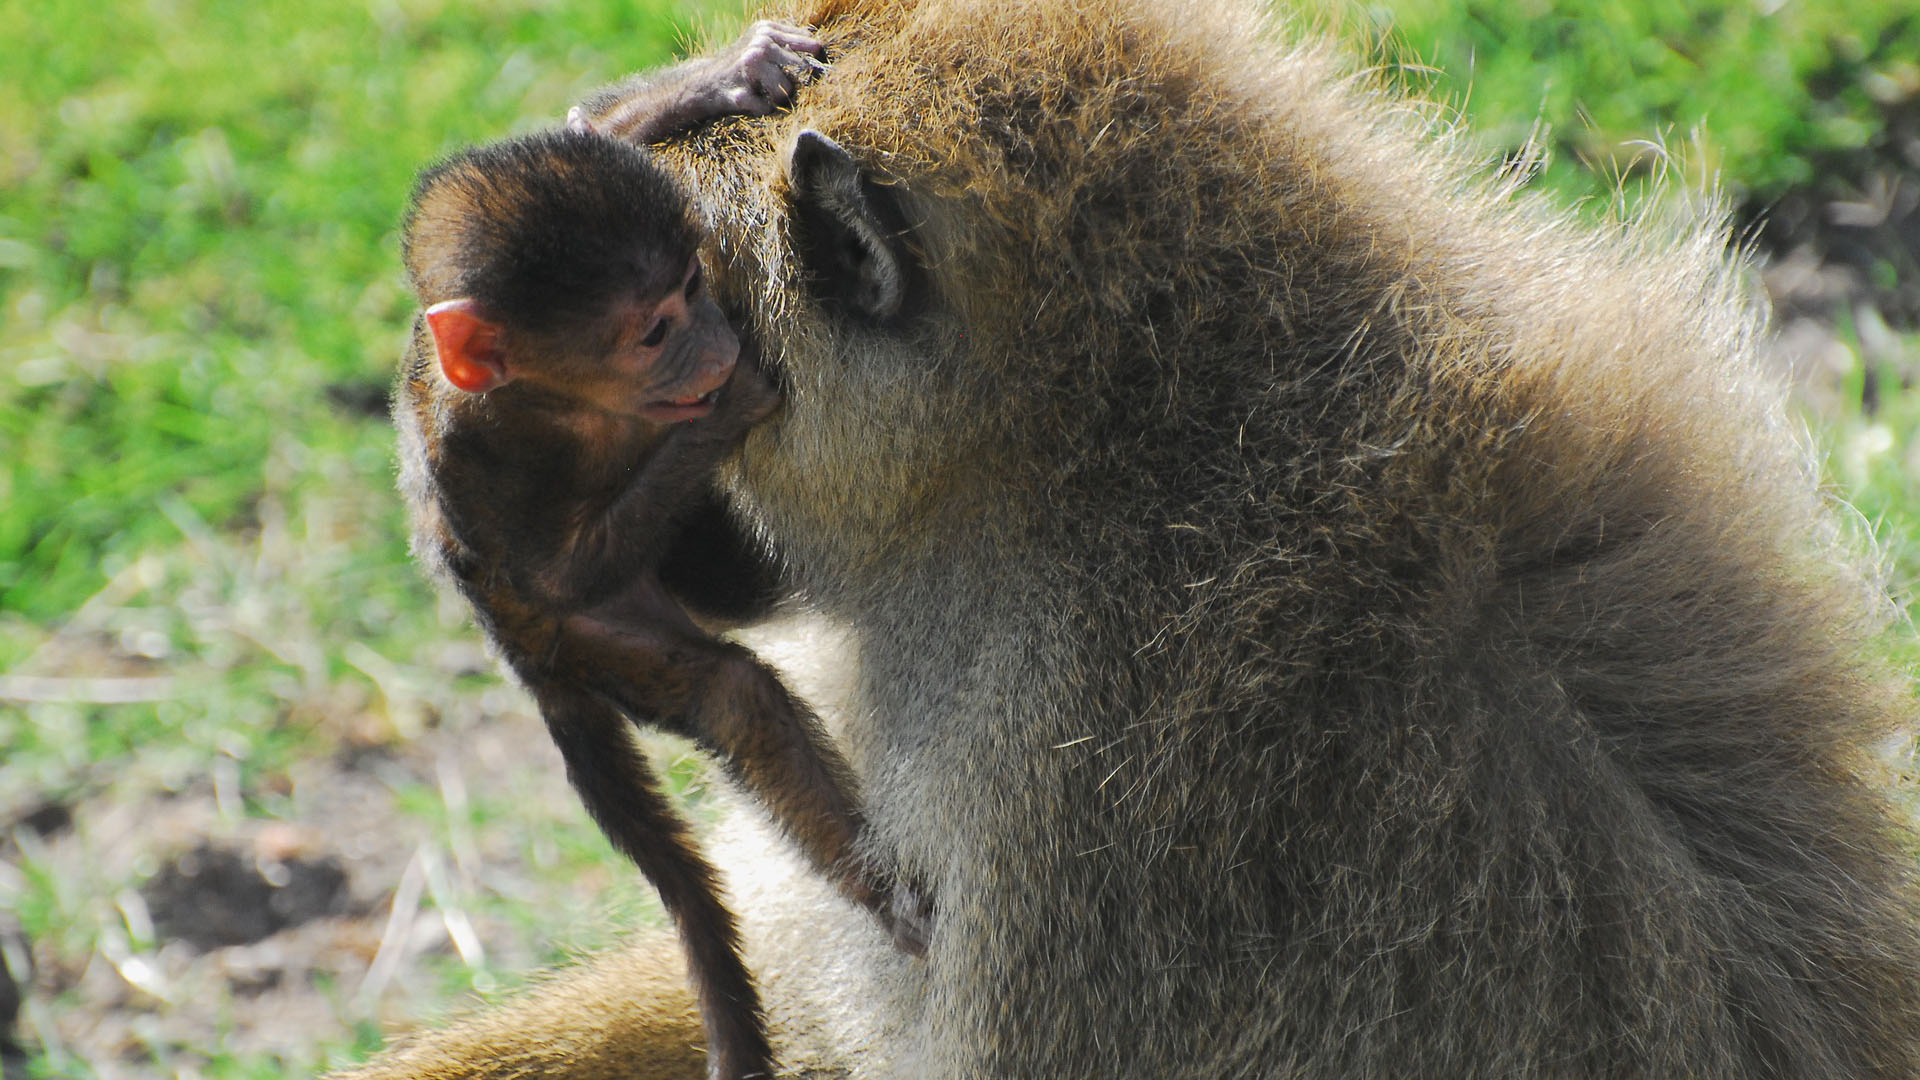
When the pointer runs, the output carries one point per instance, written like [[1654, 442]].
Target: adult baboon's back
[[1319, 615]]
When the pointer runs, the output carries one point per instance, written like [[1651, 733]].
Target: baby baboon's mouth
[[677, 410]]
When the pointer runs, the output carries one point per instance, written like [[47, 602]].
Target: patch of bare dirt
[[221, 933]]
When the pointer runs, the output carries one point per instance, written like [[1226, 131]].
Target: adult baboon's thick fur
[[1318, 614]]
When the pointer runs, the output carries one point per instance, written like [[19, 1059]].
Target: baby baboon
[[1320, 612], [571, 387]]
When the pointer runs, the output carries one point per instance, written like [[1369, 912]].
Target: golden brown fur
[[631, 1012], [1319, 614]]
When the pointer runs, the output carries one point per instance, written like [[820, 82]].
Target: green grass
[[1759, 94], [200, 294]]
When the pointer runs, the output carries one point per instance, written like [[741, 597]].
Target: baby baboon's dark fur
[[1319, 613]]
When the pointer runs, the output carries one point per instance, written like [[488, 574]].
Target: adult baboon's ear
[[847, 230]]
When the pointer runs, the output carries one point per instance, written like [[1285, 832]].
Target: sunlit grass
[[1772, 90]]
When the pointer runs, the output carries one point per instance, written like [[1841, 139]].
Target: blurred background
[[262, 795]]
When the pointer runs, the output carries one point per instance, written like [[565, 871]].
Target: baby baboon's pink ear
[[468, 344]]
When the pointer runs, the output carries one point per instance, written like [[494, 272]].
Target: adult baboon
[[1318, 613]]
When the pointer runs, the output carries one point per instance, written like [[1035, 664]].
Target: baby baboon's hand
[[904, 910], [908, 916], [760, 72], [755, 76]]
